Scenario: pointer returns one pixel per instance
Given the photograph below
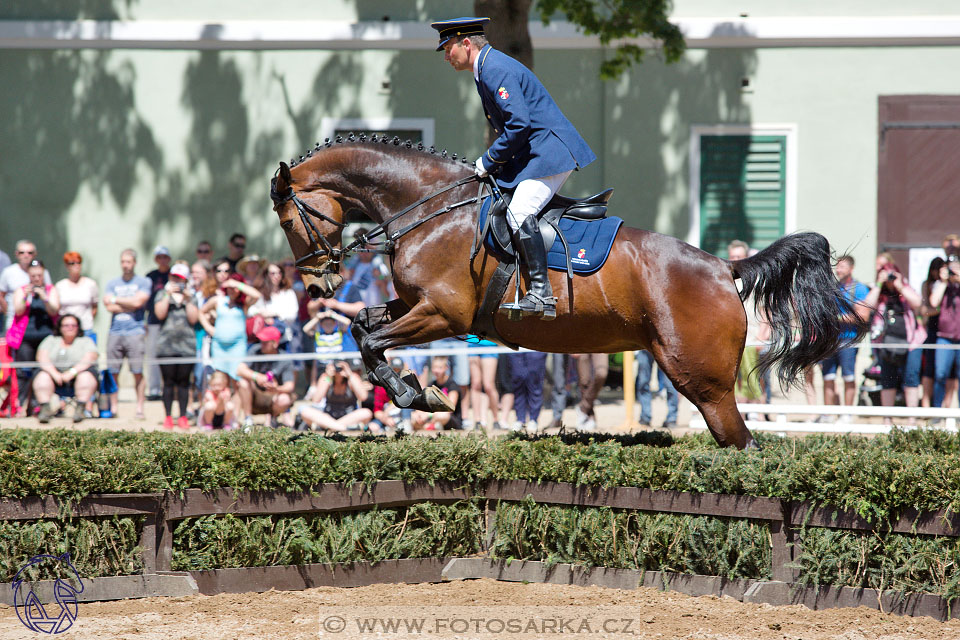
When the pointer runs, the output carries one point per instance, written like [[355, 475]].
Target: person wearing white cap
[[158, 278], [177, 314]]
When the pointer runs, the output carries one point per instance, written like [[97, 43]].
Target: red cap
[[269, 334]]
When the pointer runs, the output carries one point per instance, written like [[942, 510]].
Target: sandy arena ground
[[459, 609]]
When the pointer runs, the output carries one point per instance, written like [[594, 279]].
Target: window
[[742, 187]]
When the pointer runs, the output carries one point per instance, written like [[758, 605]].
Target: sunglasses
[[239, 246], [71, 264], [223, 270], [27, 253], [207, 250]]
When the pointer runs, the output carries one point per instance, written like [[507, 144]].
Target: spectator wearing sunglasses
[[238, 244], [15, 276], [204, 251]]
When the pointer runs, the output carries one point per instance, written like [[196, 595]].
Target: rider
[[535, 152]]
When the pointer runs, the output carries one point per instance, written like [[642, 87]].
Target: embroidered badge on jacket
[[502, 92]]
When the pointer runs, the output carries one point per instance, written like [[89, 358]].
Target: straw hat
[[245, 260]]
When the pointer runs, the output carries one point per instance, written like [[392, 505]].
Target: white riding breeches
[[531, 196]]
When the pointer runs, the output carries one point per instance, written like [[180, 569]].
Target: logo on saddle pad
[[580, 259], [502, 92]]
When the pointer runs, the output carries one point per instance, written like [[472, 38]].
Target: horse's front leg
[[420, 324], [369, 320]]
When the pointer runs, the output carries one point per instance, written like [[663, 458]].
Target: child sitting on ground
[[218, 406]]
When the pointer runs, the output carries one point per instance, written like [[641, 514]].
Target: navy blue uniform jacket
[[535, 139]]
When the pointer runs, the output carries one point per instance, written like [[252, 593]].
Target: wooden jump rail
[[162, 510]]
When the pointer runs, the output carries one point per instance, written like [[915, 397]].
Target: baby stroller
[[869, 395]]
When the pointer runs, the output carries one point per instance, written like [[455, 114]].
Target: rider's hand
[[479, 170]]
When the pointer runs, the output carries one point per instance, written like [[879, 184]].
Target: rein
[[381, 229]]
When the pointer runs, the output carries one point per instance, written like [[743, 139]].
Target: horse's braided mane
[[417, 148]]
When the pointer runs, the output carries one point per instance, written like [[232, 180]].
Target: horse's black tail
[[793, 285]]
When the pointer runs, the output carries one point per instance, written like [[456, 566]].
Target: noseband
[[319, 245]]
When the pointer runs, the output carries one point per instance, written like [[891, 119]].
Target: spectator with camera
[[265, 387], [177, 314], [35, 308], [158, 279], [945, 295], [68, 368], [440, 420], [335, 403], [15, 276], [896, 322]]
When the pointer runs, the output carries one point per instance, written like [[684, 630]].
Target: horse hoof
[[437, 400]]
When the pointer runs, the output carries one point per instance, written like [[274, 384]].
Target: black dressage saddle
[[591, 208]]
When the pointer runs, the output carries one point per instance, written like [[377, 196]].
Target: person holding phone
[[336, 400], [945, 295], [35, 308], [177, 314], [896, 322]]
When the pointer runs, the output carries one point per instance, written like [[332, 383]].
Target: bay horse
[[654, 292]]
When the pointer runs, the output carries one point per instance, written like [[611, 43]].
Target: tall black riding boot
[[539, 300]]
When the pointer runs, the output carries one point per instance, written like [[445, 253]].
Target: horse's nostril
[[314, 291]]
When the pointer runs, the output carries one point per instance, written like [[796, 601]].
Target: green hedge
[[420, 531], [873, 476], [97, 546], [876, 477]]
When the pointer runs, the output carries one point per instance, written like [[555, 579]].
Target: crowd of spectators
[[216, 342], [902, 320]]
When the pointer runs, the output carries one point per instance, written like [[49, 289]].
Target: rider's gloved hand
[[479, 170]]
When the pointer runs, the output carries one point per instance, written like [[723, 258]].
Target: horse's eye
[[287, 225]]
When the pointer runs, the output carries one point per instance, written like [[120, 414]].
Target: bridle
[[320, 246]]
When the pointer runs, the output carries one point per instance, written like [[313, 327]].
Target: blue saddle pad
[[589, 241]]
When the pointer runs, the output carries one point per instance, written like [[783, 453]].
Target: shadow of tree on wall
[[703, 88], [65, 9], [334, 92], [71, 123], [223, 187]]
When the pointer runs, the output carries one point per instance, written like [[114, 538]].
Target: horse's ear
[[283, 178]]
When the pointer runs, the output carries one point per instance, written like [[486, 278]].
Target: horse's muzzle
[[326, 287]]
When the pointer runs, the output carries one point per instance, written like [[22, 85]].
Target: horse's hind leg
[[708, 382], [725, 422]]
